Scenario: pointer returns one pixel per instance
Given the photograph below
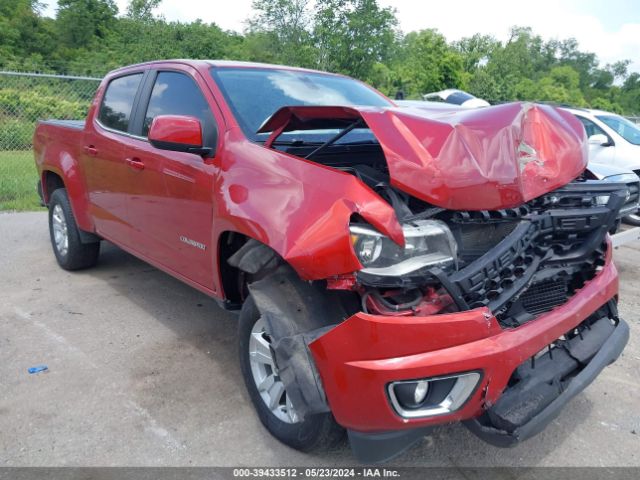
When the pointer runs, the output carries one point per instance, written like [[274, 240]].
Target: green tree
[[560, 85], [601, 103], [483, 85], [524, 55], [629, 95], [282, 28], [475, 51], [585, 63], [80, 22], [353, 35], [142, 10], [26, 38], [428, 63]]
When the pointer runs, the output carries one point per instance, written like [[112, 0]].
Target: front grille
[[549, 255], [476, 240], [634, 196], [545, 296]]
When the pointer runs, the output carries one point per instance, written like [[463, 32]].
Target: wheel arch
[[240, 254], [69, 178], [51, 181]]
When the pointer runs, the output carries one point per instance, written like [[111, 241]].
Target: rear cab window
[[117, 103]]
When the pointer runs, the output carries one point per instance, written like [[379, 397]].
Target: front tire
[[633, 219], [267, 393], [69, 250]]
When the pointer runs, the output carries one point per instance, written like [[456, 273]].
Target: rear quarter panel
[[57, 149]]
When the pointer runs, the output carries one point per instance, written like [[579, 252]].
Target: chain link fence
[[26, 98]]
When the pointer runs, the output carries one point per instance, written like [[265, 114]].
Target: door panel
[[171, 211], [598, 153], [107, 184], [106, 174], [171, 204]]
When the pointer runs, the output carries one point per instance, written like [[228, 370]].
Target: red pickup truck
[[393, 271]]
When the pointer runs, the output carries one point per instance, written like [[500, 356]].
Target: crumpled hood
[[484, 159]]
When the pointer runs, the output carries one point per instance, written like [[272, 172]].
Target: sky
[[610, 29]]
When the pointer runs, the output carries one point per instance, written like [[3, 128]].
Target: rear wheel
[[268, 394], [68, 248]]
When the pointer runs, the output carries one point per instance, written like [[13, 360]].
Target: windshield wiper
[[291, 143], [296, 143], [360, 142], [335, 138]]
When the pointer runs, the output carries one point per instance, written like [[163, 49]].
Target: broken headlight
[[428, 243]]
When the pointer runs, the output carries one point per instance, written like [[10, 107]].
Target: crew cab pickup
[[392, 271]]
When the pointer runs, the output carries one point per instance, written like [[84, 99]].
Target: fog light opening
[[432, 396], [422, 388]]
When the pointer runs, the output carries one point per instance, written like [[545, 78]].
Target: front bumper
[[360, 357], [495, 430]]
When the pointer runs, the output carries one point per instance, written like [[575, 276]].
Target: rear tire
[[69, 250], [315, 432]]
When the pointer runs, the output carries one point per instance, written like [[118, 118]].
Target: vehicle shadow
[[199, 324]]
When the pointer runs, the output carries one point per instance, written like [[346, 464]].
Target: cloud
[[550, 19]]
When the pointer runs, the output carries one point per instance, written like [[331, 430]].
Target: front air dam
[[361, 356]]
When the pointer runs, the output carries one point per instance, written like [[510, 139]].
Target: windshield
[[254, 94], [623, 127], [458, 98]]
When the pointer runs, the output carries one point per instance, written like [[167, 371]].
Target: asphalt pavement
[[143, 371]]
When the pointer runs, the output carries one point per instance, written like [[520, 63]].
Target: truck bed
[[74, 124]]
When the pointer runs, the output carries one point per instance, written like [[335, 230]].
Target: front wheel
[[268, 394]]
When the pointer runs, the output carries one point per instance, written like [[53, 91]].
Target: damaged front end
[[524, 322], [496, 309]]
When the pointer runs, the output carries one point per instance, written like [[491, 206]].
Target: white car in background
[[456, 97], [613, 155], [609, 173], [614, 141]]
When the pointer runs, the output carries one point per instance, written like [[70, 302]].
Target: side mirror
[[178, 133], [600, 140]]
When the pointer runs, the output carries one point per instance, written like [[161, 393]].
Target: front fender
[[298, 208]]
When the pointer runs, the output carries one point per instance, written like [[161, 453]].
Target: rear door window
[[117, 104]]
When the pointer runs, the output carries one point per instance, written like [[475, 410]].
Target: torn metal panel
[[297, 313], [254, 257], [359, 357], [540, 390]]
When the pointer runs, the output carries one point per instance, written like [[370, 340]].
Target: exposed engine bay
[[520, 262]]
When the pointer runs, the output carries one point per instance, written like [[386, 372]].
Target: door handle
[[135, 163], [91, 150]]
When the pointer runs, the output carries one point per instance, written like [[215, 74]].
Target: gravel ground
[[143, 371]]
